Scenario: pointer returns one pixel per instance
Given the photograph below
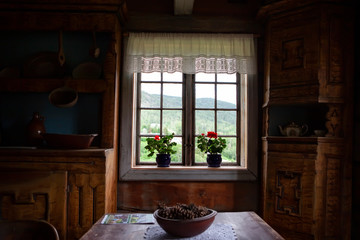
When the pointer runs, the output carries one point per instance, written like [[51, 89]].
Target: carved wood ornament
[[288, 196]]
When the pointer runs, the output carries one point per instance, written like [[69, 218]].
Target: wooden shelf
[[49, 84], [300, 140]]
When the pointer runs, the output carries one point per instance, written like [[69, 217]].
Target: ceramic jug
[[35, 129]]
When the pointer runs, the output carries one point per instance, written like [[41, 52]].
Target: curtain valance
[[191, 53]]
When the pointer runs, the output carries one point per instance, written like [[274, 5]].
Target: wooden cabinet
[[71, 189], [308, 69], [34, 195], [309, 53], [304, 191]]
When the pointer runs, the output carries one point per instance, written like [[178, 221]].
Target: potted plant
[[213, 146], [163, 146]]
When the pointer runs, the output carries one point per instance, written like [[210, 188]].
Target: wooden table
[[247, 225]]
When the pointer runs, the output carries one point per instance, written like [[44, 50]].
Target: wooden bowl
[[63, 97], [185, 228], [68, 141]]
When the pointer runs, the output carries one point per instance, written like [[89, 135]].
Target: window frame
[[189, 109], [129, 171], [161, 109]]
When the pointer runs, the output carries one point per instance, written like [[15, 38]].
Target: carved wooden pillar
[[334, 121]]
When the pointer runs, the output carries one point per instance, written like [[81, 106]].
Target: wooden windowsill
[[188, 173]]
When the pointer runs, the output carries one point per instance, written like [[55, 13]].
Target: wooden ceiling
[[207, 16]]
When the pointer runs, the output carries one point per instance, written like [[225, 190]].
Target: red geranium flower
[[211, 143], [157, 137], [212, 134]]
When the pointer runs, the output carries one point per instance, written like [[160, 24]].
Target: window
[[165, 91], [209, 102]]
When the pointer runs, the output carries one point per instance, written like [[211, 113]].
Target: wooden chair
[[27, 229]]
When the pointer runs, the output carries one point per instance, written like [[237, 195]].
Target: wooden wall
[[221, 196], [356, 162]]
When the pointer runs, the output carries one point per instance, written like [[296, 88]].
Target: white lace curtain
[[191, 53]]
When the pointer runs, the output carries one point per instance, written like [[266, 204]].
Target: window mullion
[[215, 104], [189, 120], [161, 102], [137, 85]]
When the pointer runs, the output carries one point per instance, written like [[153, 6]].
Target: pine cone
[[182, 211]]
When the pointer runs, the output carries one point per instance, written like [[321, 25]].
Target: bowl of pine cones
[[184, 220]]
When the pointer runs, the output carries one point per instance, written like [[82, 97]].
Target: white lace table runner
[[217, 231]]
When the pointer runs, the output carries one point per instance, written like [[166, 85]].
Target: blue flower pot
[[163, 160], [213, 160]]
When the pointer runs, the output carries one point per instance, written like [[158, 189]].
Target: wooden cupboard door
[[86, 202], [337, 47], [35, 195], [294, 59], [290, 194]]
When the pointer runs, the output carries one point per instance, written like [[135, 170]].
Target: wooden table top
[[247, 225]]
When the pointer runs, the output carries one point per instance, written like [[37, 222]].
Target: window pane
[[223, 77], [204, 95], [172, 122], [155, 76], [226, 96], [150, 122], [150, 95], [204, 121], [229, 153], [144, 153], [172, 96], [173, 77], [226, 122], [200, 157], [177, 157], [205, 77]]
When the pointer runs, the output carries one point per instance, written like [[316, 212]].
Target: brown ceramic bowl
[[73, 141], [186, 228]]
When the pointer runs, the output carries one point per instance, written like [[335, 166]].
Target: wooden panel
[[294, 50], [35, 195], [108, 114], [292, 148], [84, 160], [307, 93], [356, 199], [49, 21], [110, 183], [86, 202], [221, 196], [336, 53], [330, 207], [290, 194]]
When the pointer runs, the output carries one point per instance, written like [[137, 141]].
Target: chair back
[[27, 229]]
